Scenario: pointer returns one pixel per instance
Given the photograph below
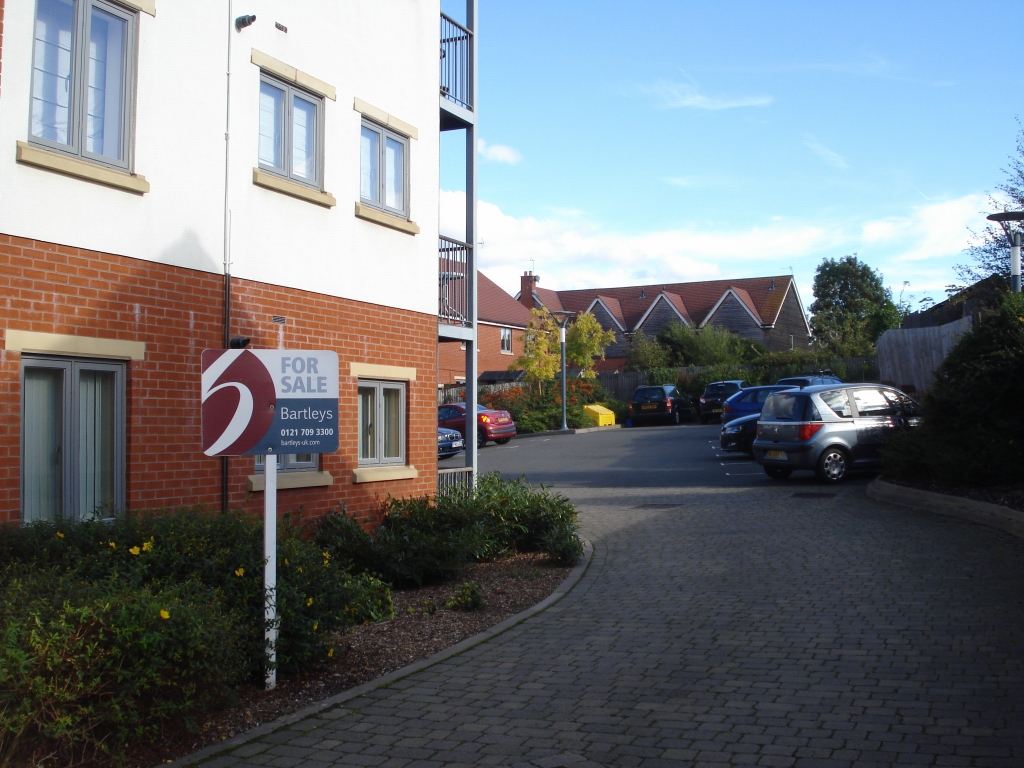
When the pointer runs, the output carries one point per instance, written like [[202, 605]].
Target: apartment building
[[501, 324], [178, 175]]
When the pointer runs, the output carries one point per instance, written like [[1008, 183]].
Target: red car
[[490, 425]]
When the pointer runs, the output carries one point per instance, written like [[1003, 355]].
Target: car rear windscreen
[[787, 407], [649, 393], [721, 390]]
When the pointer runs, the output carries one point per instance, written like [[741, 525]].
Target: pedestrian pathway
[[723, 627]]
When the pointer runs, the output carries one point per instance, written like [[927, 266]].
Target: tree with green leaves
[[542, 354], [709, 345], [990, 250], [645, 353], [852, 307], [585, 341]]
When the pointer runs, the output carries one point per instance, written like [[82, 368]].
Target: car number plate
[[502, 421], [648, 407], [775, 455], [717, 410], [457, 443]]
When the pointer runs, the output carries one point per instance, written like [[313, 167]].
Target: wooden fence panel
[[908, 357]]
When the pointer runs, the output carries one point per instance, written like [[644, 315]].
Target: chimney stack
[[526, 283]]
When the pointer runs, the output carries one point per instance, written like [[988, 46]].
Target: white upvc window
[[83, 79], [384, 169], [72, 438], [292, 462], [290, 132], [506, 341], [381, 423]]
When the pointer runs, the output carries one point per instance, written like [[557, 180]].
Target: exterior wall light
[[244, 21]]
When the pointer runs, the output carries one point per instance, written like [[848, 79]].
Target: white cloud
[[930, 231], [829, 156], [673, 95], [572, 252], [498, 153]]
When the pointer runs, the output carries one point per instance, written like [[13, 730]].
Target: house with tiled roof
[[501, 323], [763, 309]]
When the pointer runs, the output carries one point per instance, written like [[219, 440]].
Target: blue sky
[[666, 141]]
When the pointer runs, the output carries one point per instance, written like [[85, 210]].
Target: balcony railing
[[456, 62], [453, 285], [455, 481]]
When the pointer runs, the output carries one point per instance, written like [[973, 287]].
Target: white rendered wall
[[384, 52]]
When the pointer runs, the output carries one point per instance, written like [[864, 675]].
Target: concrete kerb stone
[[580, 431], [208, 753], [993, 515]]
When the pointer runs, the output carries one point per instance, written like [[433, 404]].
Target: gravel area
[[1011, 496], [422, 626]]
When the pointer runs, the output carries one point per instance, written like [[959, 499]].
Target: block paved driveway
[[722, 622]]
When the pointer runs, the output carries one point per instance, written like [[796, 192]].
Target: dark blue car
[[749, 401], [449, 443]]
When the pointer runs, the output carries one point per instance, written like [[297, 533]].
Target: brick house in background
[[133, 236], [501, 323], [763, 309]]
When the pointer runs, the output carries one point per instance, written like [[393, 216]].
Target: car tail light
[[631, 408], [759, 430], [485, 419], [702, 399], [727, 408], [668, 403], [807, 431]]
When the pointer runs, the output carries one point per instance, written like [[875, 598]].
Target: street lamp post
[[562, 317], [1015, 243]]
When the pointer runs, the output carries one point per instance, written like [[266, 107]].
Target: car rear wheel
[[503, 440], [481, 438], [677, 417], [832, 465], [778, 473]]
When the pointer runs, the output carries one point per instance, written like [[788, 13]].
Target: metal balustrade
[[456, 62], [455, 480], [453, 282]]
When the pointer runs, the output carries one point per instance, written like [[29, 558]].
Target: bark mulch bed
[[422, 626], [1011, 496]]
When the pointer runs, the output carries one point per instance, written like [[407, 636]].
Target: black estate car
[[658, 403], [715, 395]]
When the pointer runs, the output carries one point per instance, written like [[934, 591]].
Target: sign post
[[269, 402]]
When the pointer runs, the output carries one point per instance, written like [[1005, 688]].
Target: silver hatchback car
[[830, 429]]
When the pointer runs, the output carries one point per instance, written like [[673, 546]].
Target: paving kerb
[[982, 512], [579, 431], [570, 581]]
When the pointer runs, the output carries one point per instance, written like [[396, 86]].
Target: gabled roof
[[743, 298], [762, 296], [548, 298], [496, 306], [612, 307], [673, 300]]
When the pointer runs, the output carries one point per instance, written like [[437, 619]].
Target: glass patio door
[[72, 438]]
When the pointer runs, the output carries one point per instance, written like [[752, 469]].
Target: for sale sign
[[261, 401]]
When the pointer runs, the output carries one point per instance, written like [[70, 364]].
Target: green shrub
[[539, 408], [469, 597], [223, 552], [421, 541], [87, 665], [960, 441]]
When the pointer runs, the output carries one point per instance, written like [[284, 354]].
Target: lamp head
[[244, 21]]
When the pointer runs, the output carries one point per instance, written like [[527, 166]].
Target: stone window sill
[[292, 188], [287, 480], [377, 216], [29, 154], [381, 474]]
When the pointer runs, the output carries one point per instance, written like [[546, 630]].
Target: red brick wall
[[177, 313], [451, 359]]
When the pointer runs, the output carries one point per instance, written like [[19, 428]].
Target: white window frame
[[287, 172], [386, 134], [71, 366], [78, 86], [506, 341], [378, 437], [288, 462]]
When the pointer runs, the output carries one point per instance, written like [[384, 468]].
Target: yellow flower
[[60, 535], [164, 613], [113, 545], [300, 569], [330, 653], [286, 561], [309, 602], [315, 625], [135, 550], [148, 546], [240, 571]]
